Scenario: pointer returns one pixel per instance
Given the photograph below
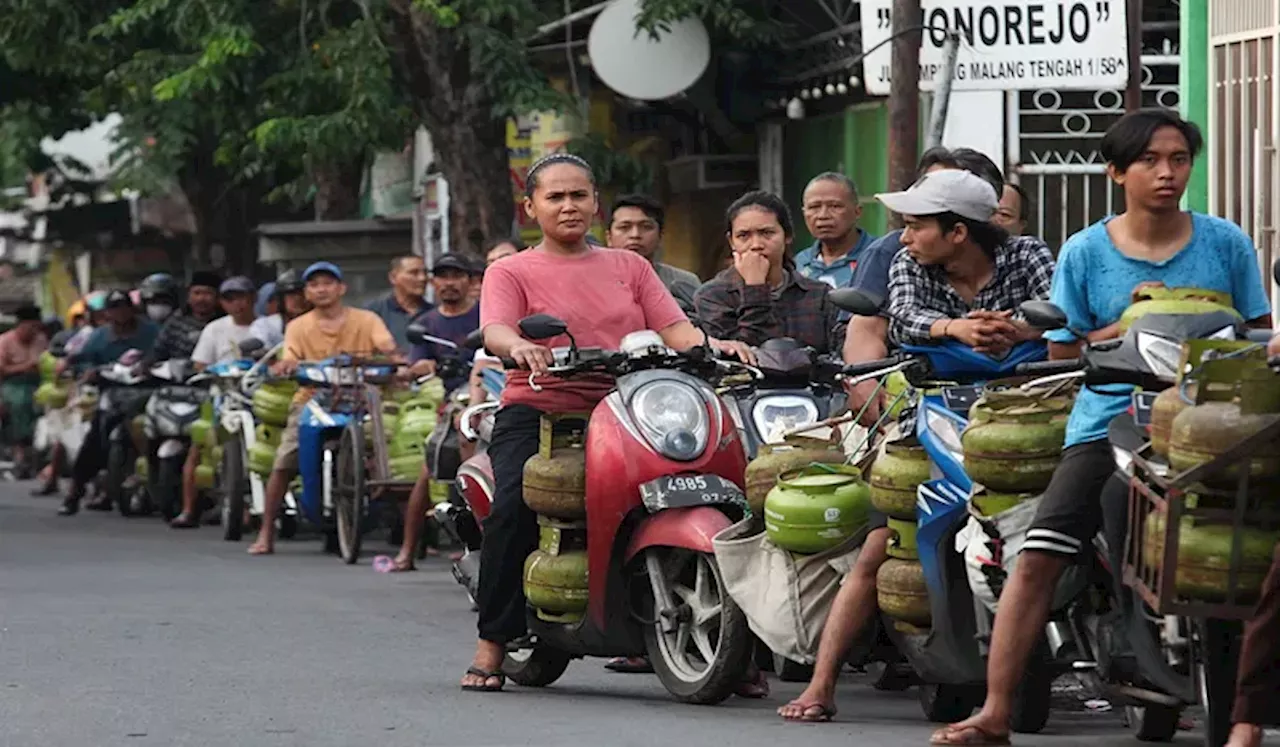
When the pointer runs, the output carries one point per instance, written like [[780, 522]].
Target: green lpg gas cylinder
[[816, 508], [1013, 446], [898, 470], [271, 402]]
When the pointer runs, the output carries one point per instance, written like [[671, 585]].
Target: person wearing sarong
[[20, 350]]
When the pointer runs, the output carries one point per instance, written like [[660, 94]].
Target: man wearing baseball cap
[[328, 329], [955, 278], [124, 331], [219, 341]]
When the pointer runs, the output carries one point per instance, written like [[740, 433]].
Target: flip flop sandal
[[402, 567], [756, 689], [824, 713], [969, 735], [485, 687], [624, 665]]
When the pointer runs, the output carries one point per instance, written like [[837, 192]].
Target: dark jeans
[[1258, 687], [511, 531]]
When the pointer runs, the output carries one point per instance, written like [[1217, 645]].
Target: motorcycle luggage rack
[[1153, 571]]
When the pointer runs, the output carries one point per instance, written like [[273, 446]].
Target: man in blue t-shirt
[[1149, 154], [456, 315], [831, 212]]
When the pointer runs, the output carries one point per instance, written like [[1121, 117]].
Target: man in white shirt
[[219, 341]]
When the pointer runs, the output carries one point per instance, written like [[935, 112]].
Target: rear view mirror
[[856, 302], [1043, 315], [475, 340], [415, 332], [251, 345], [542, 327], [1275, 271]]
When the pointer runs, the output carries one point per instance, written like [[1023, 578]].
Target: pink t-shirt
[[602, 294]]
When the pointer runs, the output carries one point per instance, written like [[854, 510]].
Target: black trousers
[[1258, 687], [93, 452], [511, 530]]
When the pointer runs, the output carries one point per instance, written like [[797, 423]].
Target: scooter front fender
[[691, 528], [475, 482]]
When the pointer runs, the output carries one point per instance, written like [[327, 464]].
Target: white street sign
[[1008, 44]]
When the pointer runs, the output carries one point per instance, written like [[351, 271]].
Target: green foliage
[[615, 170]]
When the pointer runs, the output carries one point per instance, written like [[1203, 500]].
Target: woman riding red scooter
[[602, 295]]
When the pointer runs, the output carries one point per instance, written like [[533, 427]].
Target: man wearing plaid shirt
[[957, 277]]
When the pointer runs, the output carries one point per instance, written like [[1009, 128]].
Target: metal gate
[[1244, 38], [1053, 138]]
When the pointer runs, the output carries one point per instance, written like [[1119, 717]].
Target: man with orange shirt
[[330, 328]]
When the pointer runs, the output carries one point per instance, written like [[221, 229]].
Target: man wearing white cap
[[955, 277]]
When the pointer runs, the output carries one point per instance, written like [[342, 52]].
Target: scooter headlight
[[774, 416], [673, 417]]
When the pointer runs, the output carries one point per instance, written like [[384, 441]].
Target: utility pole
[[1133, 87], [904, 95], [942, 94]]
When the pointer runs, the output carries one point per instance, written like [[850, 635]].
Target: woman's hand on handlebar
[[532, 356], [736, 348]]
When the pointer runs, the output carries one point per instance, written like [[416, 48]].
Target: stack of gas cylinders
[[52, 394], [408, 419], [271, 412], [1013, 442], [900, 468], [1192, 423], [555, 488], [208, 436]]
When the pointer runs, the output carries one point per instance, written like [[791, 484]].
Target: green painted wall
[[854, 142], [1193, 81]]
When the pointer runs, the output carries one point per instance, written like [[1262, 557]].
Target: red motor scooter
[[664, 473]]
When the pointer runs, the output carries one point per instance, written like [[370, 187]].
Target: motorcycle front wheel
[[698, 640], [350, 499], [232, 482], [168, 493], [119, 468], [535, 667]]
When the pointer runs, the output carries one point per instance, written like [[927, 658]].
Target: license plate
[[959, 399], [1142, 404], [678, 491]]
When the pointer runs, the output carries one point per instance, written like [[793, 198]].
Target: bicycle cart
[[1190, 529], [343, 455]]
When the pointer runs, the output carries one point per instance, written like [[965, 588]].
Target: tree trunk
[[337, 190], [457, 109]]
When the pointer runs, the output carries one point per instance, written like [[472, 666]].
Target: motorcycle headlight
[[774, 416], [673, 417], [1161, 356]]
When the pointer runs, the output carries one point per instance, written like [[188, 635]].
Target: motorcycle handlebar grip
[[858, 369], [510, 364], [1048, 368]]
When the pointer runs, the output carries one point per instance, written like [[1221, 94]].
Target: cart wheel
[[350, 499]]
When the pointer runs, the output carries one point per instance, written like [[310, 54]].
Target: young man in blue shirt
[[1149, 154], [831, 213]]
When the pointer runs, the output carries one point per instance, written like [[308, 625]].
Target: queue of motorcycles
[[630, 496]]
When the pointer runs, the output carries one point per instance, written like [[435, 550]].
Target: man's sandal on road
[[484, 677], [811, 712]]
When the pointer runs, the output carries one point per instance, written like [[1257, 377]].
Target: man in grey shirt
[[405, 302], [636, 223]]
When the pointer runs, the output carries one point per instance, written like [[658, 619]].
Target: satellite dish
[[637, 66]]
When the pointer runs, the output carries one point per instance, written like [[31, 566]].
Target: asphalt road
[[123, 632]]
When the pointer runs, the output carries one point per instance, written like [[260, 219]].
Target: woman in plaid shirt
[[761, 296]]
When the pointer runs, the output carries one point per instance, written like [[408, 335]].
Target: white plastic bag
[[990, 545]]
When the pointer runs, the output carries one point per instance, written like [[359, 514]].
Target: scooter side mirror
[[1275, 271], [415, 333], [1043, 315], [251, 346], [475, 340], [856, 302], [542, 327]]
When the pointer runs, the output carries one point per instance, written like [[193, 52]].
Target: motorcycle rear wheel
[[535, 667], [168, 493], [699, 645]]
